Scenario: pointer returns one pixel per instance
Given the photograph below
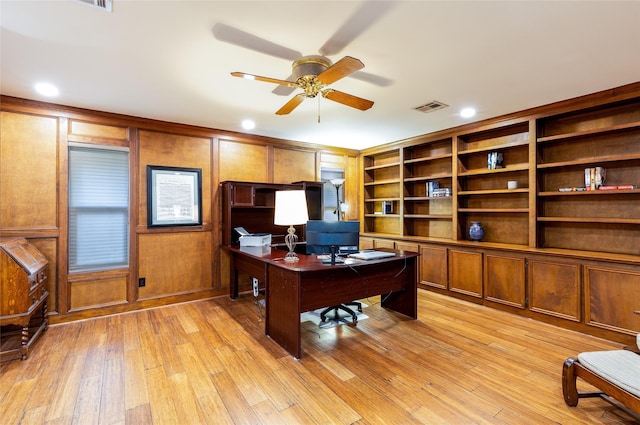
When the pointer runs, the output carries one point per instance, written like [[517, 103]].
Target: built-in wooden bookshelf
[[425, 214], [382, 177], [482, 190], [590, 220], [571, 257]]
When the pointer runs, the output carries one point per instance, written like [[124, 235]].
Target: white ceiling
[[162, 60]]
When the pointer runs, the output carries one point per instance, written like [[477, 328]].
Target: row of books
[[603, 187], [494, 160], [619, 187], [594, 177], [434, 190]]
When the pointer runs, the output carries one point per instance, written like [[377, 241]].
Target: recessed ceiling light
[[248, 124], [46, 89], [467, 112]]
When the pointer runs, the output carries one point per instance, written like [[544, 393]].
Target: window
[[330, 194], [98, 208]]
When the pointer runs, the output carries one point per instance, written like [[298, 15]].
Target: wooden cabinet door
[[465, 272], [243, 195], [384, 243], [366, 243], [407, 246], [433, 266], [504, 279], [611, 298], [554, 288]]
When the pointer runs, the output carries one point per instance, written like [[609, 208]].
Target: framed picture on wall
[[174, 196]]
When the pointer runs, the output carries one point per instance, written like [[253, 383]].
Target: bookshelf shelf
[[495, 147], [493, 191], [429, 216], [484, 171], [604, 220], [599, 131], [428, 158], [382, 199], [382, 166], [428, 177], [591, 193], [426, 198], [590, 160], [494, 210], [382, 182]]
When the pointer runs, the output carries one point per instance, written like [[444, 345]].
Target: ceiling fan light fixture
[[309, 66], [313, 74]]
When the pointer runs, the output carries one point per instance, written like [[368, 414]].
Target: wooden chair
[[615, 373]]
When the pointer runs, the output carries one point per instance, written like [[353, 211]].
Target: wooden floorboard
[[209, 362]]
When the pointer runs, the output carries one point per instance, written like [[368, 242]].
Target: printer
[[253, 239]]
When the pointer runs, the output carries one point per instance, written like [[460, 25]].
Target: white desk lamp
[[291, 210]]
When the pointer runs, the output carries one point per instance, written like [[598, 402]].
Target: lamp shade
[[291, 208], [337, 182]]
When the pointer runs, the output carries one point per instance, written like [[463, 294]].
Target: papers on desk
[[326, 258], [371, 255]]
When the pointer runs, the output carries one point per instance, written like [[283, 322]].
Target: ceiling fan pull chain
[[318, 108]]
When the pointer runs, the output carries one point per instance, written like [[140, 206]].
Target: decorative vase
[[476, 232]]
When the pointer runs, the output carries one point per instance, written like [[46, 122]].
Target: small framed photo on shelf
[[174, 196]]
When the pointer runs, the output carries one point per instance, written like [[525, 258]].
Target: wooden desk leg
[[405, 301], [283, 309], [233, 287]]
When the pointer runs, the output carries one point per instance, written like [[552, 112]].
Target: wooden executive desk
[[293, 288]]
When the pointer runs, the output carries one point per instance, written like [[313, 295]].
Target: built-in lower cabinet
[[585, 294], [554, 288], [465, 272], [433, 266], [611, 298], [504, 279]]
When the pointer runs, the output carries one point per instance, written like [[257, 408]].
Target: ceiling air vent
[[105, 5], [431, 106]]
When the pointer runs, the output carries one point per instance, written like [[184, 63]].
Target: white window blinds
[[98, 209]]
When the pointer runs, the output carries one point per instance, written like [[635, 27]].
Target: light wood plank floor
[[209, 362]]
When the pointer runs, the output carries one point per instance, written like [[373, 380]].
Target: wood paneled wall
[[178, 264]]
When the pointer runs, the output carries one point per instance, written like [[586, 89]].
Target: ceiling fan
[[313, 74]]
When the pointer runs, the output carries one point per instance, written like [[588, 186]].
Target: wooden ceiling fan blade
[[291, 104], [232, 35], [371, 78], [347, 99], [362, 19], [284, 90], [265, 79], [345, 66]]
